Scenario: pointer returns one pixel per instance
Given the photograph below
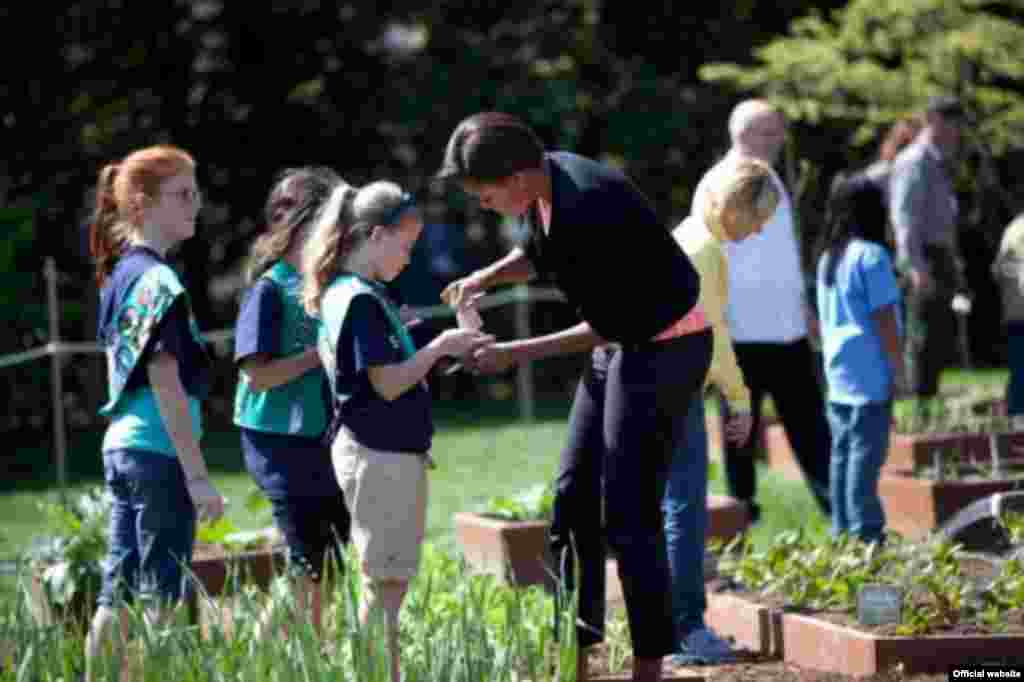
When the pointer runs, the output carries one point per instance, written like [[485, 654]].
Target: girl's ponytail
[[325, 249], [104, 245], [290, 213]]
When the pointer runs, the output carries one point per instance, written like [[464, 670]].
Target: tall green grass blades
[[454, 628]]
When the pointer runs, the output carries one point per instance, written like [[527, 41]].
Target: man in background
[[923, 212], [768, 319]]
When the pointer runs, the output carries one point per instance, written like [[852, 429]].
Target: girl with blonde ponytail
[[321, 258], [382, 428]]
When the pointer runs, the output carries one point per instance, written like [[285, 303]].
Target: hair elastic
[[405, 202]]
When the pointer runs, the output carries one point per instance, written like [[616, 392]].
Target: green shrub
[[532, 504]]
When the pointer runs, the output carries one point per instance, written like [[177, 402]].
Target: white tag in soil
[[879, 604]]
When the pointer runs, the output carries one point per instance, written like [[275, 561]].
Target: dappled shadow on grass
[[34, 466]]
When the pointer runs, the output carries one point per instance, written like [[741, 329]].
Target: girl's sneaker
[[703, 647]]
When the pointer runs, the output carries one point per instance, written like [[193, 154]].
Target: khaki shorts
[[386, 493]]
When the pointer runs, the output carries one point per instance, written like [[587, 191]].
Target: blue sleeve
[[259, 321], [879, 279], [172, 334], [372, 336]]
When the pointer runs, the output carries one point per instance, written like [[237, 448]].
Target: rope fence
[[522, 296]]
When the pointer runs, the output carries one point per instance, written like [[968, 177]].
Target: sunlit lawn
[[481, 448]]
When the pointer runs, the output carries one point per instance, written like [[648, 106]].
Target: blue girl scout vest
[[128, 334], [334, 308], [296, 408]]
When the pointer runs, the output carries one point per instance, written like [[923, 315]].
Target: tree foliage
[[875, 61]]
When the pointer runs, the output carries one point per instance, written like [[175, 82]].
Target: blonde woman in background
[[735, 205]]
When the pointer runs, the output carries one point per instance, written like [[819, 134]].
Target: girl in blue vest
[[280, 400], [858, 305], [381, 429], [158, 371]]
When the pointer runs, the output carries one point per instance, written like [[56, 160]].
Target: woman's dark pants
[[629, 411]]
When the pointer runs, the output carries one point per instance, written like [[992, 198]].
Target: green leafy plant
[[68, 554], [226, 534], [1013, 524], [532, 504], [829, 575]]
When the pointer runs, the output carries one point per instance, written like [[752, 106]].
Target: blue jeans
[[686, 521], [152, 527], [860, 442], [1015, 359]]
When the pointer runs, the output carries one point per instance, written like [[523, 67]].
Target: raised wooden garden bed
[[665, 676], [906, 450], [752, 626], [517, 552], [915, 450], [916, 506], [812, 642], [216, 570], [924, 637], [213, 566]]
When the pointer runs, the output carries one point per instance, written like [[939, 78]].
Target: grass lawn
[[481, 449]]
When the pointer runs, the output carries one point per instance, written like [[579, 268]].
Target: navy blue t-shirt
[[618, 265], [172, 335], [367, 339], [259, 321]]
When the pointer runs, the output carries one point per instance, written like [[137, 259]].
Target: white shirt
[[766, 284]]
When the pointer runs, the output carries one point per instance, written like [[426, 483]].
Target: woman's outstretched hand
[[493, 359], [462, 343]]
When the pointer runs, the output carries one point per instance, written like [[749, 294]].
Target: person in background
[[858, 306], [158, 372], [281, 405], [769, 319], [898, 136], [923, 210], [1008, 270], [382, 429], [734, 209]]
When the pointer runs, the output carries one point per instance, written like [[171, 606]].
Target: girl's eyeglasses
[[188, 195]]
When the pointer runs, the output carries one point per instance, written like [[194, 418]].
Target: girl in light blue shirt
[[858, 306]]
